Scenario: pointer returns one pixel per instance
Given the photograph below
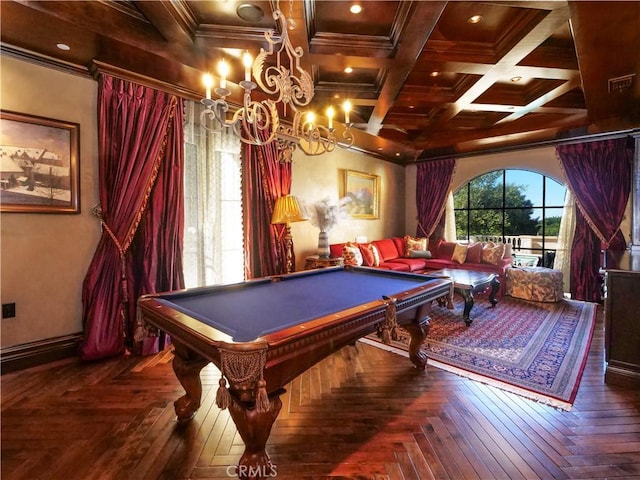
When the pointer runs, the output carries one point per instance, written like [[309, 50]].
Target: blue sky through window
[[532, 183]]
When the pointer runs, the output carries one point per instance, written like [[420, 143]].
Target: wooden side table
[[314, 261]]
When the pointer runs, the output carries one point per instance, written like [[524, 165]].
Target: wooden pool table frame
[[277, 358]]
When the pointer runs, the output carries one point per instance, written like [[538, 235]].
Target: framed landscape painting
[[362, 189], [39, 164]]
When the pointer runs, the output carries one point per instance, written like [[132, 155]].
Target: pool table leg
[[187, 366], [418, 329], [254, 428]]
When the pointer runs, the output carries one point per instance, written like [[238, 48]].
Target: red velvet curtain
[[599, 176], [433, 184], [140, 181], [264, 180]]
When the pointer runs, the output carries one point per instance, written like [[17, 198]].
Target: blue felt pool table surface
[[254, 309]]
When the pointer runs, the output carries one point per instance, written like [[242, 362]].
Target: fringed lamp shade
[[288, 210]]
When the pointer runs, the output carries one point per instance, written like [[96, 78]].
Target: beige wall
[[45, 256], [315, 178]]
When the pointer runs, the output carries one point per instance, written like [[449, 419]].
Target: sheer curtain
[[213, 240], [565, 239], [450, 234]]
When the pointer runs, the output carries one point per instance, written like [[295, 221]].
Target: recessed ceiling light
[[434, 74], [516, 79], [475, 19], [379, 149], [397, 154], [250, 12], [355, 8], [348, 70], [63, 46], [412, 106]]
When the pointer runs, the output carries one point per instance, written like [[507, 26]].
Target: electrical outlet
[[8, 310]]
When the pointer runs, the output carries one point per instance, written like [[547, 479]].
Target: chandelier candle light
[[258, 122]]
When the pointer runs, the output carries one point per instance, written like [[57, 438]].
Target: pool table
[[263, 333]]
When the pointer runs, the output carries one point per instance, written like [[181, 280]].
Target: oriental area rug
[[537, 350]]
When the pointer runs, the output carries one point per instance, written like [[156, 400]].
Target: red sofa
[[392, 257]]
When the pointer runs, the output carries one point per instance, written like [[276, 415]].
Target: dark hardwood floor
[[363, 413]]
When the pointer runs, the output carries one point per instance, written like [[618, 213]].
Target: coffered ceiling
[[425, 80]]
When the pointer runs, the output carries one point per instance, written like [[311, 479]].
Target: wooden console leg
[[468, 305], [187, 366], [254, 428], [495, 286]]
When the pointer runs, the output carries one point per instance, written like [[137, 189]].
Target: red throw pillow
[[445, 250], [367, 255]]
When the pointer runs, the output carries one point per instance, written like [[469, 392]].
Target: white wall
[[44, 257]]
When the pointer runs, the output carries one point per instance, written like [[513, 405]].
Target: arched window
[[519, 207]]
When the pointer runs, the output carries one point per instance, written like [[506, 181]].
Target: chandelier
[[286, 83]]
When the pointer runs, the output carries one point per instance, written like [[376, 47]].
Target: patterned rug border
[[588, 312]]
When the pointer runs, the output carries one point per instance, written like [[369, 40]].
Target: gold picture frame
[[39, 164], [363, 189]]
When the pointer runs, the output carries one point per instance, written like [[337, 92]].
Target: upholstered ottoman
[[535, 283]]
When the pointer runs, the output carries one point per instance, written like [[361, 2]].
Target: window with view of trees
[[515, 206]]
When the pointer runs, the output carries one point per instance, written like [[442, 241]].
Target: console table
[[622, 317], [315, 261]]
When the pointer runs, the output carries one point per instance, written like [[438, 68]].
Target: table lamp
[[286, 211]]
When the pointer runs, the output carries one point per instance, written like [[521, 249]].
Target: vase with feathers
[[326, 214]]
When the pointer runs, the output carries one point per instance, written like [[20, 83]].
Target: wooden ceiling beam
[[174, 21], [434, 139], [517, 70], [423, 20], [543, 100], [342, 61], [505, 65]]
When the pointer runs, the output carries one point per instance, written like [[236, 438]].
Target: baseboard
[[624, 377], [26, 355]]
